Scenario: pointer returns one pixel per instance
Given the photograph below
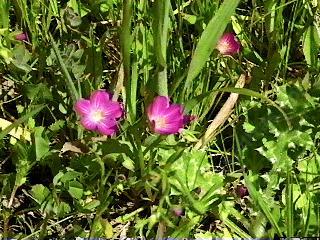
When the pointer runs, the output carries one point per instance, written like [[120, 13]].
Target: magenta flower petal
[[228, 44], [88, 123], [99, 98], [158, 106], [165, 118], [174, 111], [113, 109], [100, 113], [168, 127], [108, 127], [82, 106]]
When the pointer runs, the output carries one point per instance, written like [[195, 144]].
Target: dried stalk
[[222, 115]]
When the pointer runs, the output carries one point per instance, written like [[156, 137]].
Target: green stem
[[126, 41]]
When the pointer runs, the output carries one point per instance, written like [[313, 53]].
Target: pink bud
[[228, 44], [22, 37]]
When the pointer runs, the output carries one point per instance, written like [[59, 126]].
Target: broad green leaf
[[65, 177], [189, 18], [40, 193], [75, 189], [41, 143], [92, 205], [43, 197], [62, 208], [277, 150], [192, 171], [210, 37], [311, 46], [38, 91]]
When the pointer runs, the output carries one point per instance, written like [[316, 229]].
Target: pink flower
[[99, 113], [228, 44], [166, 118], [22, 37]]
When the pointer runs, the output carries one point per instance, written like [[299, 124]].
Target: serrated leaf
[[38, 91], [193, 169]]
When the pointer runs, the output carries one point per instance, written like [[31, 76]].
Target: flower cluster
[[101, 114]]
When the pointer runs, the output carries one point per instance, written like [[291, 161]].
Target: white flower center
[[97, 116], [224, 47], [160, 122]]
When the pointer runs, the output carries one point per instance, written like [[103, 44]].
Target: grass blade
[[24, 118], [236, 229], [289, 203], [161, 38]]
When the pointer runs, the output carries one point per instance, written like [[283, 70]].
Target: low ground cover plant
[[156, 119]]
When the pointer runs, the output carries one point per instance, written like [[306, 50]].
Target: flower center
[[97, 116], [224, 47], [160, 122]]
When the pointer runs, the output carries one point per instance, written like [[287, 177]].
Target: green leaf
[[192, 171], [78, 7], [38, 91], [264, 206], [75, 189], [65, 177], [40, 193], [189, 18], [128, 163], [62, 208], [22, 162], [311, 46], [92, 205], [41, 143], [210, 37], [277, 150]]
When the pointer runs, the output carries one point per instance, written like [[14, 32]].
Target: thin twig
[[54, 224]]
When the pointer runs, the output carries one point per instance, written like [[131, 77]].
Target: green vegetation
[[253, 173]]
